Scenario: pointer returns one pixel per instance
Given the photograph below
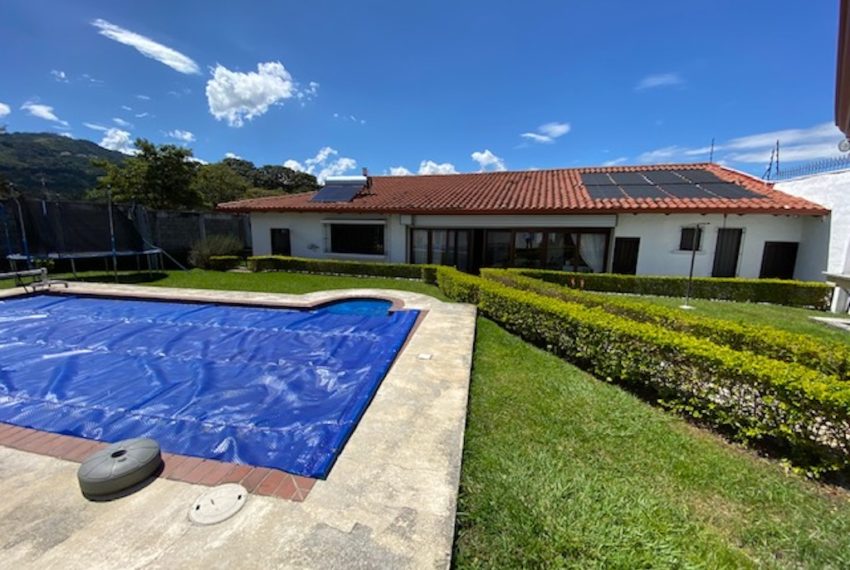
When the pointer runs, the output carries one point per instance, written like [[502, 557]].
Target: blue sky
[[330, 87]]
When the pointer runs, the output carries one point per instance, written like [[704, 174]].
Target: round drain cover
[[118, 467], [218, 504]]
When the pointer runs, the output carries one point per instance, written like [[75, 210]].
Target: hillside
[[63, 163]]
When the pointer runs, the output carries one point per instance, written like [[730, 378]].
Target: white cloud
[[122, 123], [399, 171], [143, 97], [42, 112], [184, 136], [148, 47], [66, 134], [91, 79], [431, 167], [96, 127], [548, 132], [142, 115], [233, 155], [812, 143], [126, 107], [59, 75], [4, 110], [196, 160], [615, 161], [486, 159], [235, 96], [659, 80], [308, 93], [323, 164], [116, 139]]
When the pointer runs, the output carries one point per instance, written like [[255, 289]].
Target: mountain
[[63, 163]]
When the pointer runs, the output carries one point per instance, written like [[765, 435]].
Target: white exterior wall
[[659, 236], [831, 190]]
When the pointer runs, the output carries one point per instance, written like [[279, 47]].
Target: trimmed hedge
[[425, 273], [224, 262], [805, 412], [777, 291], [826, 357]]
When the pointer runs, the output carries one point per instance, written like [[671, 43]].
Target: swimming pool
[[268, 387]]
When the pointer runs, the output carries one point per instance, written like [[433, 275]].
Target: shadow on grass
[[123, 278]]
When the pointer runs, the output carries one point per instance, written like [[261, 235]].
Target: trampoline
[[267, 387]]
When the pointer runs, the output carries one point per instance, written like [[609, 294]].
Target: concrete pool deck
[[388, 502]]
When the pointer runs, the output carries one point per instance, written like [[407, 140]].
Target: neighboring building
[[620, 219]]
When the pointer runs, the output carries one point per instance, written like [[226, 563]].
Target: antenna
[[777, 158], [766, 175], [711, 152]]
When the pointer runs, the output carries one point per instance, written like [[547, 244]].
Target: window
[[688, 237], [440, 247], [361, 239], [528, 249], [498, 248], [280, 241]]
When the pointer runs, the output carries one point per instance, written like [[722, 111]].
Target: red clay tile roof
[[530, 192]]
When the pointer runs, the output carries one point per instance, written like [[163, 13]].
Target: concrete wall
[[831, 190], [659, 234]]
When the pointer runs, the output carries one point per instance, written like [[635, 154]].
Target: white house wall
[[831, 190], [659, 236]]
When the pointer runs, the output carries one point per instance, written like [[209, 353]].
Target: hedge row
[[224, 262], [777, 291], [754, 397], [426, 273], [829, 358]]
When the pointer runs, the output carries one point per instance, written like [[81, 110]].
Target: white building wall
[[831, 190], [659, 235]]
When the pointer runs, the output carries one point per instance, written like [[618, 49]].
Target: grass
[[563, 470], [788, 318]]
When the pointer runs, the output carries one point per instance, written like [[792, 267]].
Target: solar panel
[[604, 192], [628, 179], [699, 176], [595, 179], [644, 191], [728, 190], [664, 177], [686, 191], [337, 193]]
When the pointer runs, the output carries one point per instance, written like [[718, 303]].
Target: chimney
[[365, 172]]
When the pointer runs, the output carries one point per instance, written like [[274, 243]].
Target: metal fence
[[810, 168]]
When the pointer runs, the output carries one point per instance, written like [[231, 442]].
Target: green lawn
[[562, 470], [789, 318]]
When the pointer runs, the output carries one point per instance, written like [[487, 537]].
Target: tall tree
[[159, 177], [217, 183]]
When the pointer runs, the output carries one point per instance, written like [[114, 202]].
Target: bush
[[214, 246], [829, 358], [224, 262], [425, 273], [777, 291], [755, 398]]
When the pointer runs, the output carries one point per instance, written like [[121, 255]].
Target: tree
[[244, 168], [217, 183], [273, 177], [158, 177]]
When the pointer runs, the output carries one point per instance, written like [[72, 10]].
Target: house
[[633, 219]]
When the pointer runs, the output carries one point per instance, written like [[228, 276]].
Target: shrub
[[777, 291], [425, 273], [224, 262], [751, 396], [214, 245], [829, 358]]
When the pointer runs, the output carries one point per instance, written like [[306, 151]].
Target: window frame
[[698, 236], [329, 228]]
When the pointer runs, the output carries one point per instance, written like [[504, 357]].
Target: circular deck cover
[[218, 504], [118, 467]]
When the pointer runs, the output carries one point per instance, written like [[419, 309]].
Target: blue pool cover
[[279, 388]]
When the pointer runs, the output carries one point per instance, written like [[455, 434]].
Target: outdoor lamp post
[[697, 238]]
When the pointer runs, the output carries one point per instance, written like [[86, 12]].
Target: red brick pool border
[[195, 470]]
